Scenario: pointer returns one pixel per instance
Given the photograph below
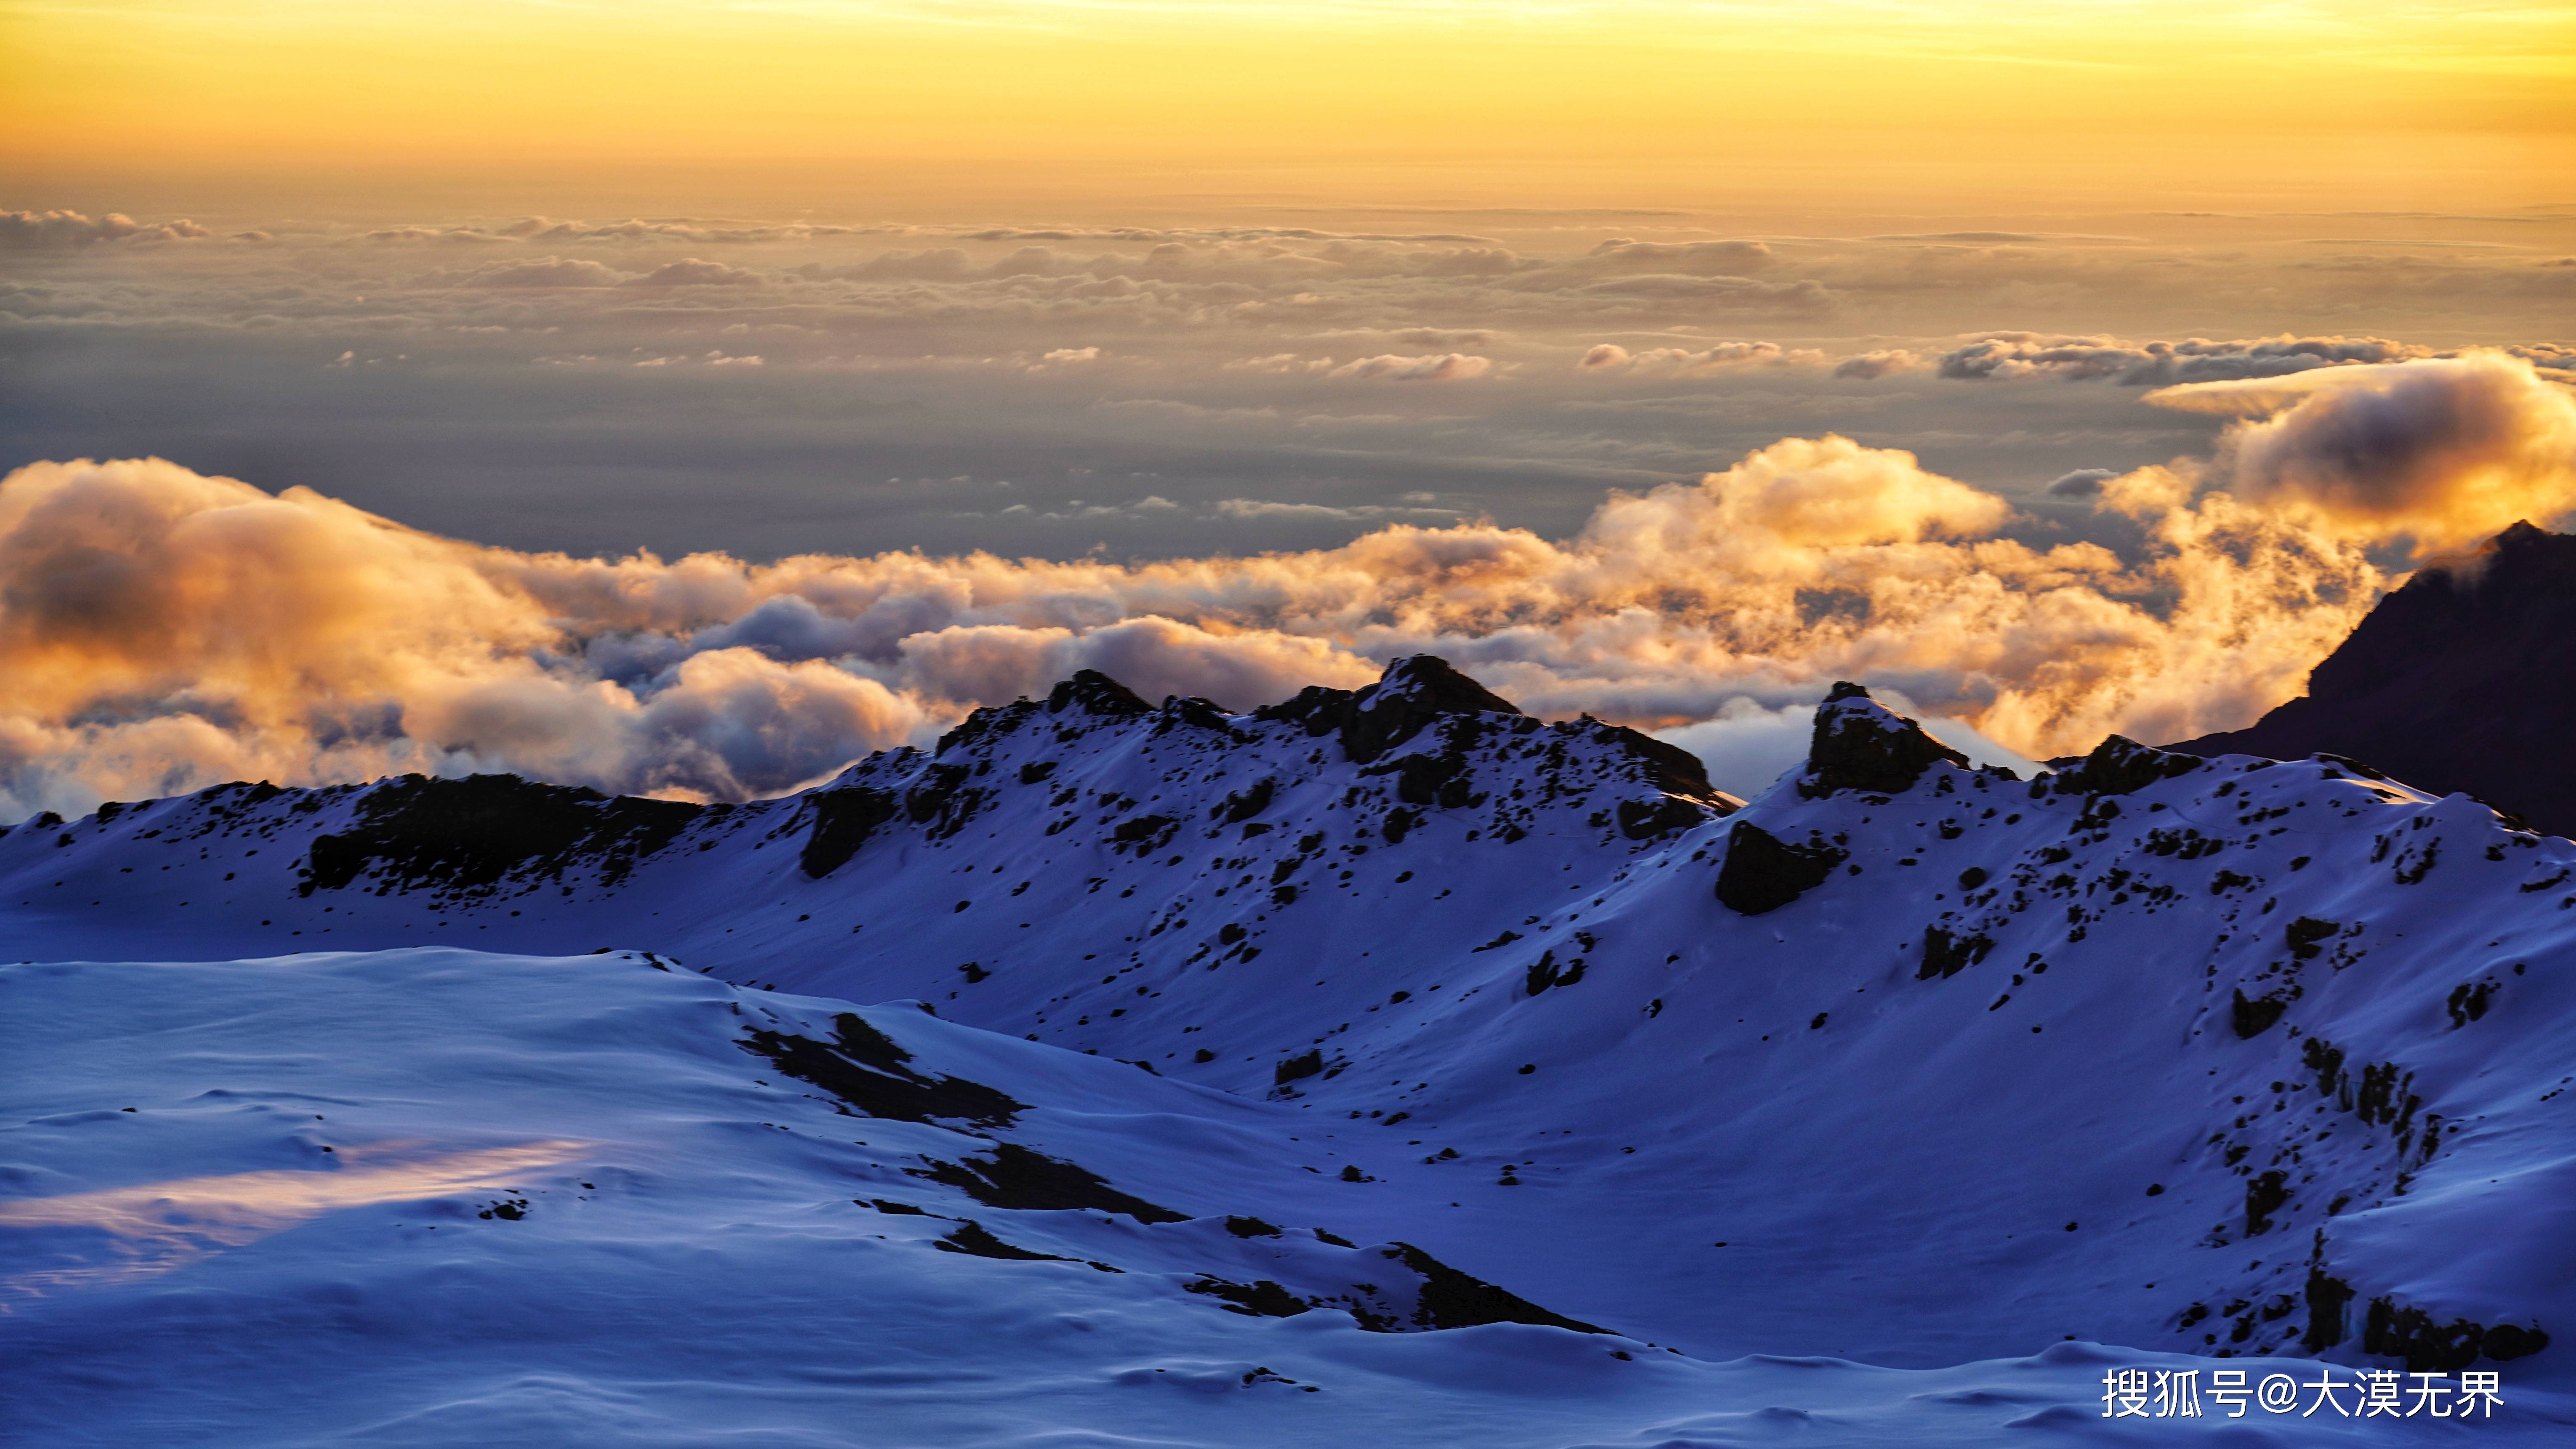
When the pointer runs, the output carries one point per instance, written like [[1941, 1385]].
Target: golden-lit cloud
[[164, 630], [2440, 451]]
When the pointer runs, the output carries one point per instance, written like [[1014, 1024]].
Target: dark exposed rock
[[1410, 697], [2327, 1297], [2468, 1002], [462, 835], [1297, 1068], [1239, 807], [1643, 820], [2326, 1060], [1860, 744], [1451, 1299], [1260, 1298], [990, 720], [1946, 955], [843, 821], [1762, 873], [2120, 766], [1093, 692], [2265, 1193], [865, 1068], [1670, 768], [1413, 693], [1189, 709], [972, 1239], [2253, 1016], [2306, 935], [1434, 779], [1545, 973], [942, 800], [2506, 1342], [2399, 1331], [1143, 834], [1015, 1177], [2459, 681]]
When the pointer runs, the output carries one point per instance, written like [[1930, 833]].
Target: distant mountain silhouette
[[2463, 680]]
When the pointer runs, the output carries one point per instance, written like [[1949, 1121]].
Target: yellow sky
[[1565, 98]]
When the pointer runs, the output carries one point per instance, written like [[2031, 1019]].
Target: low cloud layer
[[163, 630]]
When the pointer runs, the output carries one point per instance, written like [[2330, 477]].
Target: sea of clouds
[[757, 499]]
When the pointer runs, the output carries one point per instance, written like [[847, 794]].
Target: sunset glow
[[2460, 103]]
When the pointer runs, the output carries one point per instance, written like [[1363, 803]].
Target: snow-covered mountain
[[1900, 1063]]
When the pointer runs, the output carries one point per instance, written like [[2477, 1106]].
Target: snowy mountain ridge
[[1900, 1061]]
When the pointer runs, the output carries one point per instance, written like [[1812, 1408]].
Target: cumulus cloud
[[1880, 363], [2441, 451], [692, 272], [1703, 258], [1431, 367], [163, 630], [541, 272], [1611, 357], [1803, 298], [2018, 355], [40, 231], [2081, 483]]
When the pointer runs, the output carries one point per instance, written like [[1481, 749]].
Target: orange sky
[[2330, 102]]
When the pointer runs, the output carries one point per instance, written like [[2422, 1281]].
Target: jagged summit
[[1091, 690], [2464, 679], [2121, 766], [1860, 744], [1413, 692]]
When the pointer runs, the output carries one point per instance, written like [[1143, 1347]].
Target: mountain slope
[[554, 1202], [1900, 1062], [2459, 681]]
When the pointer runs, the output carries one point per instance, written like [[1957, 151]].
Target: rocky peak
[[1860, 744], [1093, 692], [2456, 681], [1415, 691], [2120, 765]]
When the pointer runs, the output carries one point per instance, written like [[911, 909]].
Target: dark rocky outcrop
[[1015, 1177], [2327, 1298], [470, 834], [1260, 1298], [1413, 693], [2120, 765], [1451, 1299], [843, 821], [1946, 954], [1093, 692], [2462, 680], [2430, 1346], [1762, 872], [2251, 1016], [1860, 744], [866, 1070], [975, 1240]]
